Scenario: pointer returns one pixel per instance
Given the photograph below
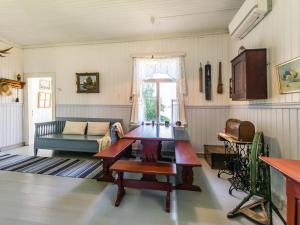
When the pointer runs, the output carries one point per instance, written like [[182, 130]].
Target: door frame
[[53, 102]]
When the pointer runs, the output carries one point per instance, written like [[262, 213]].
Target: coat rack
[[13, 83]]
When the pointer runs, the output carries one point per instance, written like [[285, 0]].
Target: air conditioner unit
[[248, 16]]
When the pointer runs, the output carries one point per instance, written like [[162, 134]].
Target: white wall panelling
[[279, 32], [114, 63], [95, 111], [204, 122], [10, 112], [281, 126], [11, 124]]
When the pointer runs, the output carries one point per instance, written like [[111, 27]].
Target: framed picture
[[288, 74], [44, 85], [44, 100], [88, 82]]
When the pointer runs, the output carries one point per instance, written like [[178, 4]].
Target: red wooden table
[[151, 138], [291, 170]]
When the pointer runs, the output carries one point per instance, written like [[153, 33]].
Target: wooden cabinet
[[249, 75]]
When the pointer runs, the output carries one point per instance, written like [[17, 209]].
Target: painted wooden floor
[[27, 199]]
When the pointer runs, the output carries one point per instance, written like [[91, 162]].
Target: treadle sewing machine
[[243, 147], [237, 140]]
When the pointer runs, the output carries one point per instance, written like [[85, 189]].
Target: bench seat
[[111, 154], [49, 135], [72, 137], [144, 167], [187, 158], [151, 168]]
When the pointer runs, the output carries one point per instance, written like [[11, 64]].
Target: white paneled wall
[[204, 122], [95, 111], [11, 112], [279, 32], [114, 63], [11, 124], [281, 126]]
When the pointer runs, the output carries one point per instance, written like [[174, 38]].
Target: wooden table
[[291, 170], [151, 138]]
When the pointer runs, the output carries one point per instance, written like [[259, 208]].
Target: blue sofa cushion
[[73, 137]]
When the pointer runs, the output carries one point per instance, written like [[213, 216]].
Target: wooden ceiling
[[39, 22]]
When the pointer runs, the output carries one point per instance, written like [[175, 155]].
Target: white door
[[39, 104]]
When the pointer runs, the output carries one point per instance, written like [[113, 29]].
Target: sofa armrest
[[46, 128]]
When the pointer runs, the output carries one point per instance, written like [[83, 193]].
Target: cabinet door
[[239, 79]]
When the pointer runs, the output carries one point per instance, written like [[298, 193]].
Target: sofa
[[49, 135]]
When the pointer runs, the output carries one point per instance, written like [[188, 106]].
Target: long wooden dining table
[[151, 137]]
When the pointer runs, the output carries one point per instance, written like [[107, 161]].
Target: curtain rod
[[158, 55]]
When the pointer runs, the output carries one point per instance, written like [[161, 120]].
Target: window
[[158, 94], [158, 90], [44, 100]]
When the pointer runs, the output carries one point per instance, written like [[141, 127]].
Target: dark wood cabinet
[[249, 75]]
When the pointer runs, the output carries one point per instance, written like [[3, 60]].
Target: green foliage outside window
[[150, 104]]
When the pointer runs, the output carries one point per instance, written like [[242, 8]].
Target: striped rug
[[79, 168]]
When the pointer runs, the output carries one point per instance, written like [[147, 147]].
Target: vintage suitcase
[[240, 130]]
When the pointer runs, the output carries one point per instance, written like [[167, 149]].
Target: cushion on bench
[[73, 137]]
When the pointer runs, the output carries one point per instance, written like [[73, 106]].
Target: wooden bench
[[151, 168], [187, 158], [111, 154]]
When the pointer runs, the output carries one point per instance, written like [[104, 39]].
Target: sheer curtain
[[145, 69]]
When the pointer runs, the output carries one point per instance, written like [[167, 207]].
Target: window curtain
[[144, 69]]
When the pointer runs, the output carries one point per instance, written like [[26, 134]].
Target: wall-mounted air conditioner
[[248, 16]]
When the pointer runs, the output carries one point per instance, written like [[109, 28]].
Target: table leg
[[150, 154], [121, 190], [150, 150], [293, 202], [107, 174], [187, 177], [168, 197]]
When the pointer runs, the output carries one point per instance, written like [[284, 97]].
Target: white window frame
[[157, 83]]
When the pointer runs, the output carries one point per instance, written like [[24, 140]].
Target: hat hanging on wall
[[5, 90]]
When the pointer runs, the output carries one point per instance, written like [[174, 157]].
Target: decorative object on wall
[[18, 79], [201, 78], [44, 84], [5, 51], [288, 76], [7, 84], [220, 85], [208, 81], [12, 83], [5, 89], [88, 83], [44, 100]]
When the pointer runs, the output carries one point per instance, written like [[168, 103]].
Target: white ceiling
[[36, 22]]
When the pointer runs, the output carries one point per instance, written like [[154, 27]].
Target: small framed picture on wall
[[288, 74], [88, 82], [44, 100], [45, 84]]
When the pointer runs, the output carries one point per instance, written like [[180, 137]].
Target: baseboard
[[6, 148]]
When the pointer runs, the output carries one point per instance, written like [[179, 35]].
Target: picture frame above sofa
[[88, 82]]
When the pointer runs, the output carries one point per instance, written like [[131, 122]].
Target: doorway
[[39, 104]]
